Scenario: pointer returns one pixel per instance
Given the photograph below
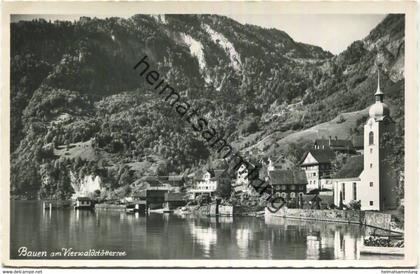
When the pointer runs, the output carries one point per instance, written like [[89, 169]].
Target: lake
[[169, 236]]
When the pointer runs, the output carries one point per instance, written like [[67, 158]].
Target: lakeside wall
[[368, 218], [111, 207]]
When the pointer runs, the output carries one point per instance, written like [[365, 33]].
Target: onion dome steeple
[[379, 110]]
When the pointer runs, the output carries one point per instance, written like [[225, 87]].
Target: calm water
[[168, 236]]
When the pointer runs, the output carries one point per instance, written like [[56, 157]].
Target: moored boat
[[382, 250]]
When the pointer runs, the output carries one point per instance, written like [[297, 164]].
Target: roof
[[83, 199], [352, 168], [321, 155], [333, 143], [216, 173], [287, 177]]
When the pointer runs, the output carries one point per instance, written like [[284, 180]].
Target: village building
[[241, 185], [272, 165], [374, 186], [150, 183], [209, 182], [83, 203], [317, 165], [287, 183], [170, 183], [335, 144]]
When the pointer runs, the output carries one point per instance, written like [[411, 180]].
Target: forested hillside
[[78, 108]]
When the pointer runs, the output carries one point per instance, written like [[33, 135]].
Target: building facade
[[335, 144], [317, 165], [375, 185], [346, 190], [378, 179], [242, 183], [288, 184]]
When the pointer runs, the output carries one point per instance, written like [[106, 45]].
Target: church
[[375, 184]]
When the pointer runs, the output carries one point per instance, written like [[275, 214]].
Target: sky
[[332, 32]]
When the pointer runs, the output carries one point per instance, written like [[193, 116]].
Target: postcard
[[209, 134]]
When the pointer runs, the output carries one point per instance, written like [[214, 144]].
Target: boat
[[385, 245], [382, 250]]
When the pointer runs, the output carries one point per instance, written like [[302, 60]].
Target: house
[[273, 166], [210, 182], [151, 183], [326, 183], [172, 183], [287, 183], [335, 144], [317, 165], [375, 184], [83, 203], [153, 197], [242, 183]]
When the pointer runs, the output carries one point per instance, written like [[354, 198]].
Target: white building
[[242, 182], [209, 182], [317, 165], [375, 184]]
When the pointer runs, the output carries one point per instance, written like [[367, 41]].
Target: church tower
[[378, 179]]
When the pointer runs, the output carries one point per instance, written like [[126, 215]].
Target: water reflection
[[168, 236], [324, 239]]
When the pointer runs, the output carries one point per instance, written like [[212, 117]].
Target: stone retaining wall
[[226, 210], [368, 218]]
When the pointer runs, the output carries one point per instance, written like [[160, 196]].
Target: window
[[371, 138], [371, 203], [344, 191], [354, 191], [371, 165], [292, 195], [314, 174], [371, 184]]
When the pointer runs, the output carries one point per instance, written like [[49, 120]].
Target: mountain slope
[[73, 84]]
